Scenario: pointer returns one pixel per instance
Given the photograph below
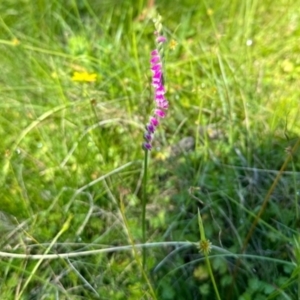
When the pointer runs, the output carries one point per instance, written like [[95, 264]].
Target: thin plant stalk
[[296, 192], [161, 107], [205, 247], [135, 253], [144, 202]]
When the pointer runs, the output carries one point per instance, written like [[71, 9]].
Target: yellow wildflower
[[173, 44], [15, 42], [210, 12], [84, 77]]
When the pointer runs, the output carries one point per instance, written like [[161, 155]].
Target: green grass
[[72, 164]]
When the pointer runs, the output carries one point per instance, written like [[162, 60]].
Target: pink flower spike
[[154, 121], [154, 52], [148, 136], [159, 97], [150, 128], [157, 74], [160, 90], [163, 104], [154, 60], [147, 146], [161, 39], [160, 113], [156, 82], [156, 68]]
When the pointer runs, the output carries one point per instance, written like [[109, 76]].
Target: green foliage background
[[73, 149]]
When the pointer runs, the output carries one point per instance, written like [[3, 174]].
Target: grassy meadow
[[75, 89]]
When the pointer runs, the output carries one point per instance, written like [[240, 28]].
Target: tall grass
[[72, 165]]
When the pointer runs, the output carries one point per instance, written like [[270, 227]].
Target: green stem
[[296, 192], [135, 252], [212, 278], [205, 252], [144, 202]]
